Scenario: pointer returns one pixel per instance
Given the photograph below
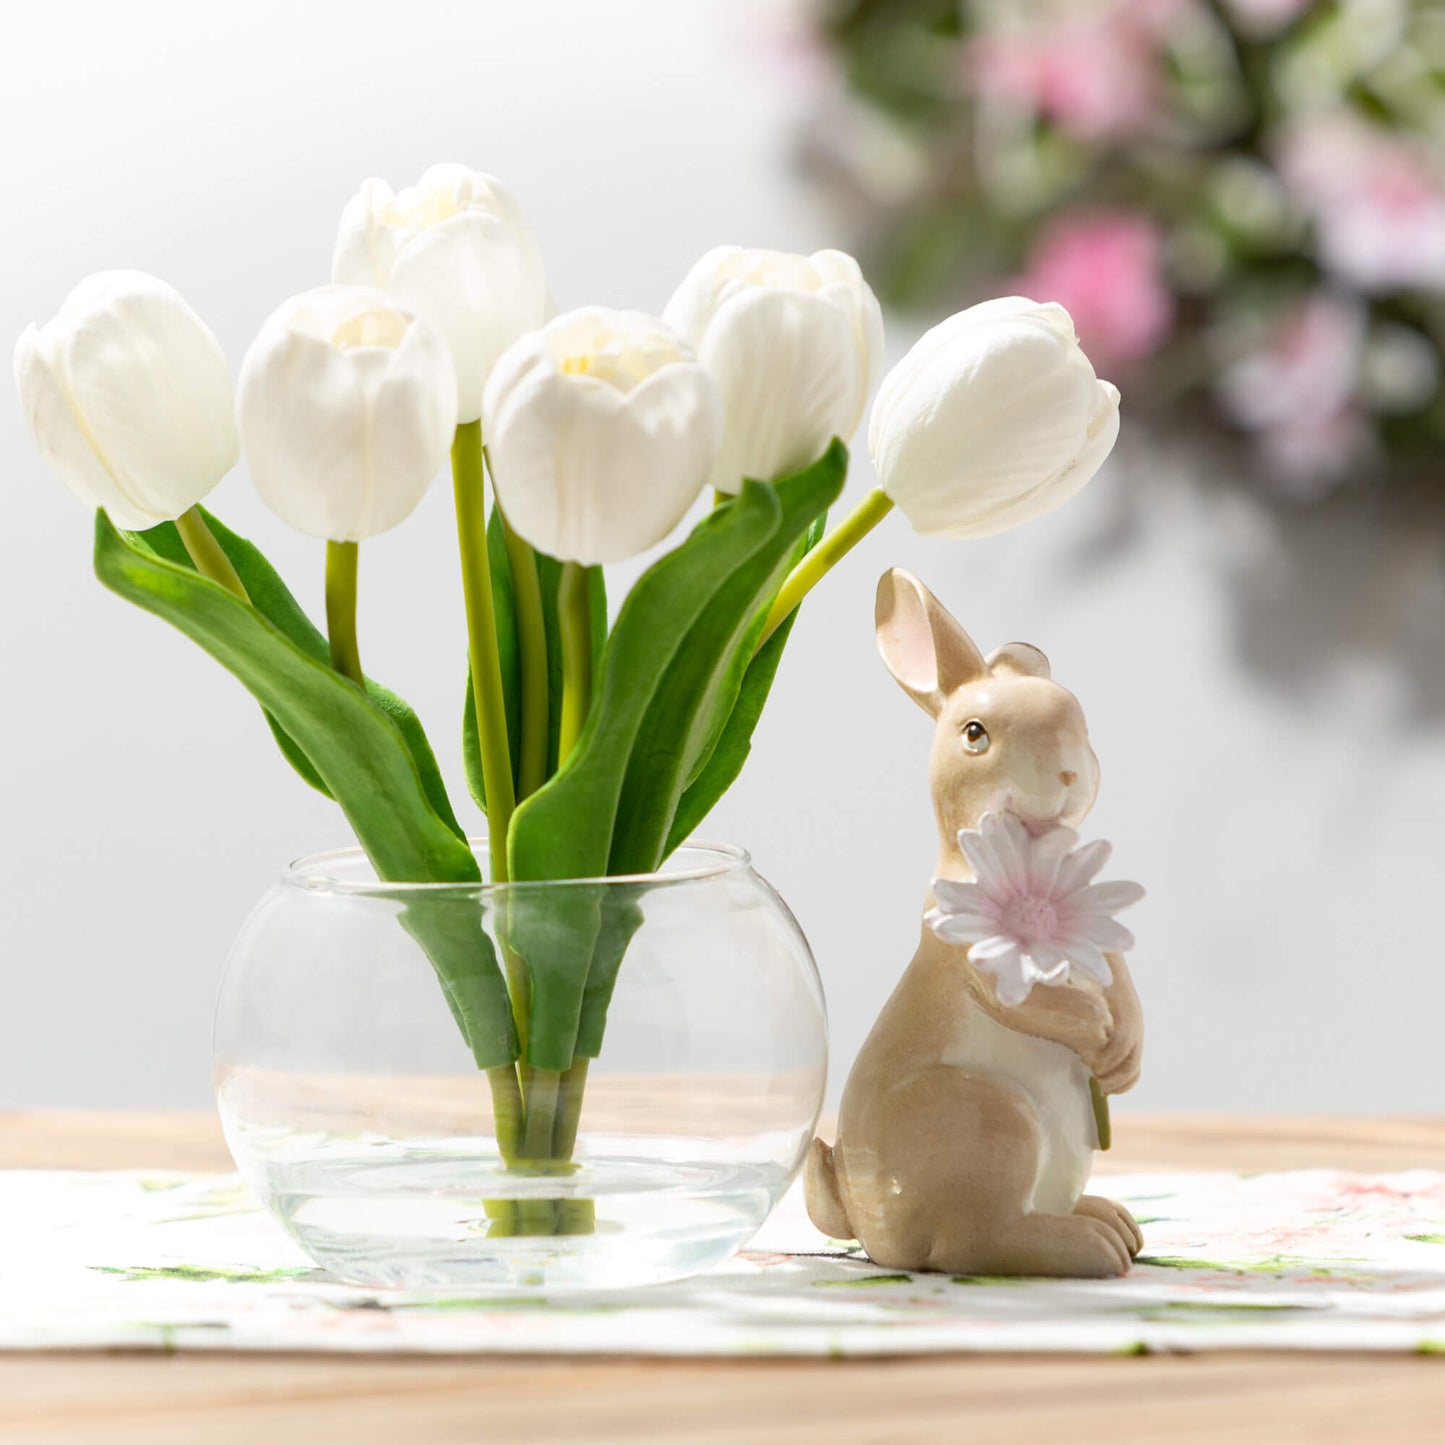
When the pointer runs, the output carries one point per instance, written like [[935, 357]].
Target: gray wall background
[[1265, 692]]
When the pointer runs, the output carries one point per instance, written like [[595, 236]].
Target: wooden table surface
[[141, 1399]]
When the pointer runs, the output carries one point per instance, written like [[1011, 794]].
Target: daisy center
[[1030, 919]]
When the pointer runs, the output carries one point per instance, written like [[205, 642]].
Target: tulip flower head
[[455, 249], [995, 417], [793, 342], [347, 405], [601, 429], [128, 399]]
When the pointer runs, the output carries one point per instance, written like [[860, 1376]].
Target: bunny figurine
[[968, 1124]]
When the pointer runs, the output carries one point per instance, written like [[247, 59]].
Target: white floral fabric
[[1307, 1260]]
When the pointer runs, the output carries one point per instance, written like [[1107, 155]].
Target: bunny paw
[[1095, 1206]]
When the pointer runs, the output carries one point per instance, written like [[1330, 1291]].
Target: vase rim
[[325, 872]]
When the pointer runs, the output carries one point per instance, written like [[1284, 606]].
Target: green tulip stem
[[341, 566], [574, 617], [206, 552], [507, 1112], [1100, 1103], [541, 1114], [532, 637], [569, 1108], [487, 697], [826, 555]]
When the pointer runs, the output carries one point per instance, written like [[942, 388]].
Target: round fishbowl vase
[[357, 1112]]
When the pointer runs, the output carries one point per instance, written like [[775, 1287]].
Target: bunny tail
[[825, 1204]]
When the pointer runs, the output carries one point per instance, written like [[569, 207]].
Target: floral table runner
[[1307, 1260]]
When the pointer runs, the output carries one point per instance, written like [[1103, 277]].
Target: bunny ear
[[928, 653], [1021, 659]]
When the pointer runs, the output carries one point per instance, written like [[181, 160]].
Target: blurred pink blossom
[[1105, 269], [1098, 75], [1377, 203], [1299, 394]]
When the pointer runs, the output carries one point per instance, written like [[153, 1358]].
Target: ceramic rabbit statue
[[967, 1127]]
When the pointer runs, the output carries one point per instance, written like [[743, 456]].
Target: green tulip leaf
[[692, 702], [273, 600], [549, 578], [724, 762], [358, 751], [620, 916], [672, 670], [504, 608]]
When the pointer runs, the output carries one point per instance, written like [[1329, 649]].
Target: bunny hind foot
[[1060, 1246], [1108, 1212]]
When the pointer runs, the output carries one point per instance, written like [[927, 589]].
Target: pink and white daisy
[[1032, 915]]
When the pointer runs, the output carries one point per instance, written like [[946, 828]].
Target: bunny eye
[[975, 737]]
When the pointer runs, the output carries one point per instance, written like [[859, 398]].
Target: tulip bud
[[347, 405], [128, 399], [995, 417], [455, 249], [793, 342], [600, 431]]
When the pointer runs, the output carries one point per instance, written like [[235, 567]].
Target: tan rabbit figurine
[[967, 1127]]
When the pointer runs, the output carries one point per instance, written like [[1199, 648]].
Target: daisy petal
[[986, 864], [1089, 959], [1111, 897], [1046, 854], [978, 924], [1009, 979], [958, 927], [995, 946], [1050, 960], [958, 897], [1078, 868], [1011, 842], [1105, 932]]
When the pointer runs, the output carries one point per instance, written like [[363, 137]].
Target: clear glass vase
[[674, 1049]]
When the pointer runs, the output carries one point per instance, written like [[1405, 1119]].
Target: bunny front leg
[[1077, 1017], [1116, 1065]]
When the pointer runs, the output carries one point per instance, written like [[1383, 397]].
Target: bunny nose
[[1068, 779]]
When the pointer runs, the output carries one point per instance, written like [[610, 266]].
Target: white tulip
[[347, 404], [600, 431], [128, 399], [995, 417], [794, 343], [456, 250]]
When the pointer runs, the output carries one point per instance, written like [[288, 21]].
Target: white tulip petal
[[347, 406], [793, 342], [60, 434], [601, 429], [456, 250], [471, 279], [128, 398], [993, 418], [366, 245], [790, 379]]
